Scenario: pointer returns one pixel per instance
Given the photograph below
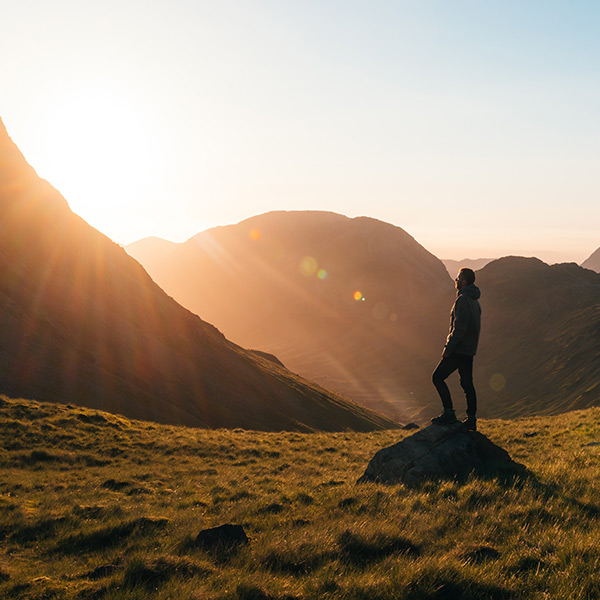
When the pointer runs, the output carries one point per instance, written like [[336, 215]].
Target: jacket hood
[[471, 290]]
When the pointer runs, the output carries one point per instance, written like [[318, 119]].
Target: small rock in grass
[[223, 536]]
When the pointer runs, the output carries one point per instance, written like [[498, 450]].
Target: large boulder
[[440, 452]]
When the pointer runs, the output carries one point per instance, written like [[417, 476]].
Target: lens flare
[[308, 266], [255, 235], [358, 295], [497, 382], [322, 274]]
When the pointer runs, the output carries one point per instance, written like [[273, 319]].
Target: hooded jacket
[[465, 322]]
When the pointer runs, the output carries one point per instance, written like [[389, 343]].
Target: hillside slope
[[94, 505], [541, 338], [355, 304], [81, 320]]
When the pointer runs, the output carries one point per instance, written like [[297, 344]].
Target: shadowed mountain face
[[593, 262], [355, 304], [82, 322], [540, 342]]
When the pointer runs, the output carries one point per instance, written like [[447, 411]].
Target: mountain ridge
[[344, 301], [537, 348], [453, 266], [83, 320], [539, 356]]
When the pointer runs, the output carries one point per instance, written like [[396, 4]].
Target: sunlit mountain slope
[[355, 304], [82, 322], [285, 282]]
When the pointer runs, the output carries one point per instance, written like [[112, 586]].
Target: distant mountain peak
[[593, 261], [335, 298]]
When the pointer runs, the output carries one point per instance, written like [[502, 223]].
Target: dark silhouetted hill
[[593, 262], [540, 344], [82, 322], [286, 283]]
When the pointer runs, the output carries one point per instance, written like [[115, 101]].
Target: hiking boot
[[446, 418], [470, 424]]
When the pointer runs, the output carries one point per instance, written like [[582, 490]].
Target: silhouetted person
[[460, 348]]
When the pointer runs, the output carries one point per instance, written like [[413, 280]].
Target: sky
[[473, 125]]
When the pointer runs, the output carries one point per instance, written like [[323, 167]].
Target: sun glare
[[98, 151]]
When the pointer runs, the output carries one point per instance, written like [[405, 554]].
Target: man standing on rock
[[460, 348]]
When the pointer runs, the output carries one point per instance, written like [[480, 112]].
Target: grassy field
[[95, 506]]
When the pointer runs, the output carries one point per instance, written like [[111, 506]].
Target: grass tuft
[[103, 571], [152, 572], [480, 554], [359, 549], [107, 537], [251, 592], [295, 560]]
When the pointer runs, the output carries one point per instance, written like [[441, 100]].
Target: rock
[[410, 426], [440, 452], [224, 536]]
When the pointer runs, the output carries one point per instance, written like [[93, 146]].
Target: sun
[[97, 148]]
